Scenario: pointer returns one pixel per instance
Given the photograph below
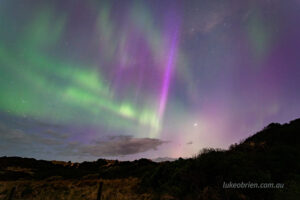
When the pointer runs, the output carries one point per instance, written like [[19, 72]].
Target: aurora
[[150, 78]]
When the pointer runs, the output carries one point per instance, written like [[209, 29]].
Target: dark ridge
[[269, 156]]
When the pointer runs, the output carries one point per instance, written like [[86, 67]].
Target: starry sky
[[128, 79]]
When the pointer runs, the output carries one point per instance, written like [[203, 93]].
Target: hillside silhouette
[[269, 156]]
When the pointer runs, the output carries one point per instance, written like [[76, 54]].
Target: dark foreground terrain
[[269, 160]]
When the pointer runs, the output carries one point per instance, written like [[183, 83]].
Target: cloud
[[119, 146], [22, 136], [56, 134], [189, 143], [9, 134]]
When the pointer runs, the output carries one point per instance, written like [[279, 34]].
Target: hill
[[268, 161]]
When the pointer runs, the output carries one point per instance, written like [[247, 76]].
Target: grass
[[54, 188]]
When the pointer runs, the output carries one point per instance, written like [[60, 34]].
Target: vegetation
[[270, 156], [72, 189]]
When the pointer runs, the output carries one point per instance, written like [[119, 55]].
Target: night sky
[[83, 79]]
